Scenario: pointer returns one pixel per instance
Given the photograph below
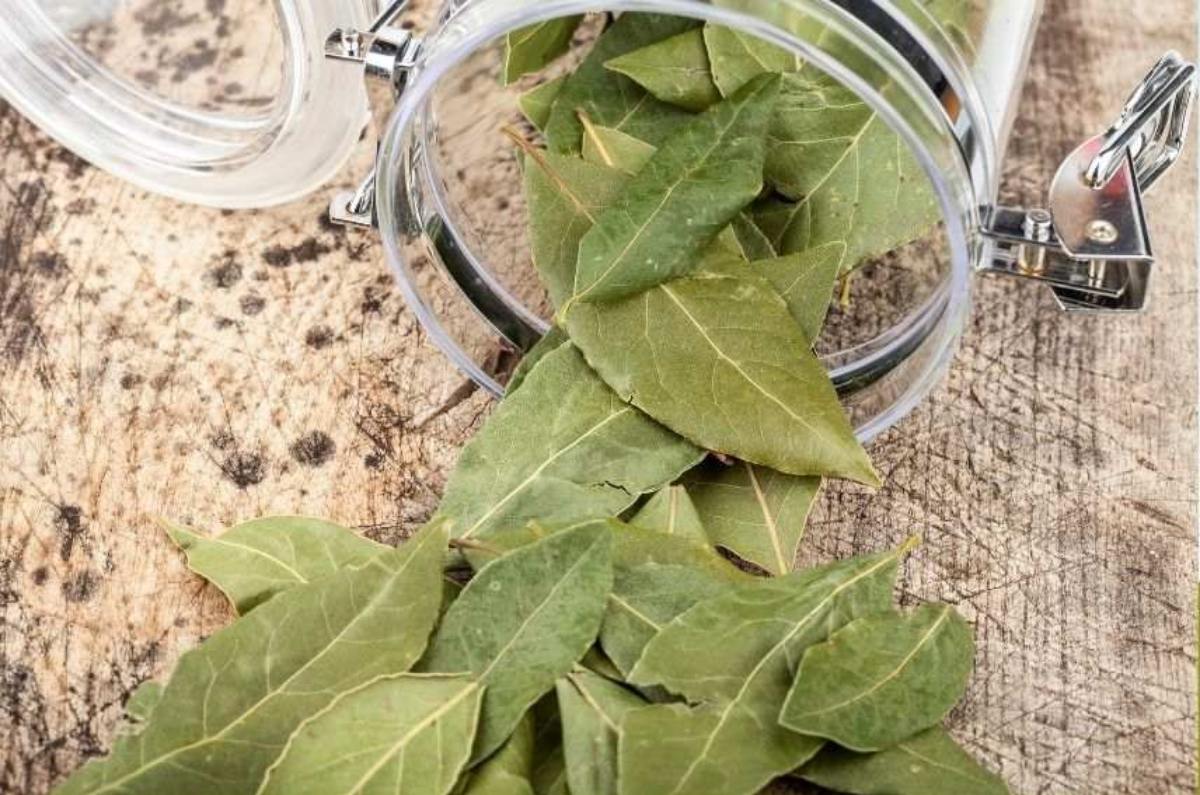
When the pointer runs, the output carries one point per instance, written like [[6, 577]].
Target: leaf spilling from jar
[[607, 600]]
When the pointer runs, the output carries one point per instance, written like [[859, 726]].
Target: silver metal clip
[[385, 52], [1092, 246]]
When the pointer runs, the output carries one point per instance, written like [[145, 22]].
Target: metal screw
[[1101, 231], [1038, 225]]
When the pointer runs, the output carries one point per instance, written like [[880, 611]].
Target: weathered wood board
[[165, 360]]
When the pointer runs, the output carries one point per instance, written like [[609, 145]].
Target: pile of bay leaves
[[605, 601]]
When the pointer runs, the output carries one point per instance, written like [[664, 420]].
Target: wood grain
[[165, 360]]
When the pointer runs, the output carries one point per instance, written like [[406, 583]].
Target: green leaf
[[930, 763], [531, 48], [552, 340], [231, 704], [674, 70], [690, 190], [401, 735], [614, 149], [670, 510], [736, 58], [562, 449], [143, 700], [719, 360], [524, 621], [599, 663], [736, 652], [646, 598], [537, 102], [611, 99], [850, 178], [752, 243], [509, 770], [632, 546], [882, 679], [805, 281], [592, 709], [565, 195], [253, 561], [756, 513]]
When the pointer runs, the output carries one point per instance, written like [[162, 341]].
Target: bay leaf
[[397, 735], [592, 710], [754, 512], [882, 678], [806, 281], [550, 777], [230, 705], [735, 58], [531, 48], [523, 621], [536, 103], [670, 510], [599, 663], [850, 179], [565, 195], [929, 763], [733, 743], [752, 242], [719, 360], [694, 185], [646, 598], [674, 70], [610, 99], [509, 770], [562, 449], [143, 700], [552, 340], [549, 764], [615, 149], [253, 561], [632, 546]]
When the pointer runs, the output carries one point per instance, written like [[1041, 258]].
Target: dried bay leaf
[[754, 512], [670, 510], [690, 190], [532, 47], [752, 242], [733, 743], [592, 710], [231, 704], [523, 621], [509, 770], [552, 340], [611, 99], [143, 700], [632, 546], [735, 58], [646, 598], [253, 561], [565, 195], [674, 70], [536, 103], [400, 735], [851, 179], [615, 149], [562, 449], [719, 360], [882, 679], [929, 763], [806, 281]]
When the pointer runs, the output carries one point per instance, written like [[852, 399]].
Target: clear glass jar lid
[[220, 102]]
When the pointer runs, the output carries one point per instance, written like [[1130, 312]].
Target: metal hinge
[[1092, 245], [386, 53]]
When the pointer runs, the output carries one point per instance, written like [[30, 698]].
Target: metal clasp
[[385, 52], [1092, 246]]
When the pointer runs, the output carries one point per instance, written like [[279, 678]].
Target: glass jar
[[889, 158]]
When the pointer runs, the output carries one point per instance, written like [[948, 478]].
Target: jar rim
[[480, 22]]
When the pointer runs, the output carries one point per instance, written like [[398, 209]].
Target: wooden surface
[[160, 359]]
